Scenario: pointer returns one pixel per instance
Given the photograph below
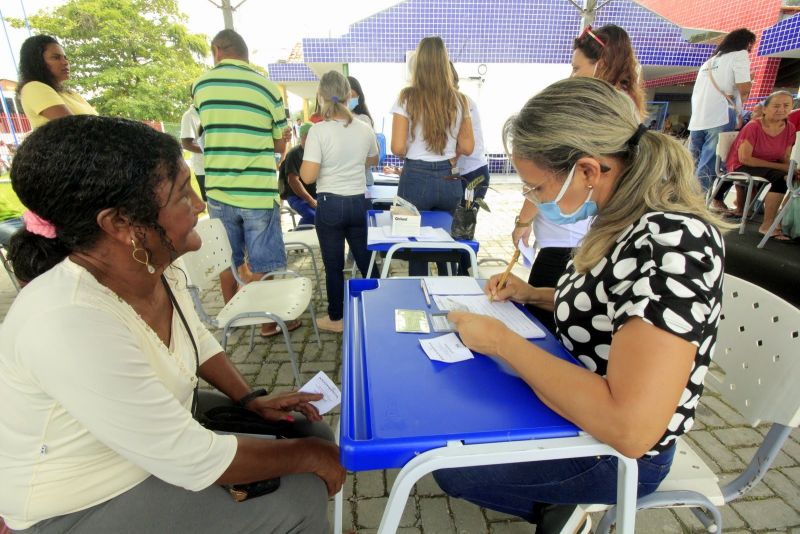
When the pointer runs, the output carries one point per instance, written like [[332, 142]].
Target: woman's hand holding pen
[[514, 288]]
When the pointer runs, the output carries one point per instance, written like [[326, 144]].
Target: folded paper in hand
[[405, 218]]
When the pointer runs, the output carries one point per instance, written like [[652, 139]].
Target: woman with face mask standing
[[336, 153], [638, 304], [43, 69], [357, 105], [605, 53], [431, 127]]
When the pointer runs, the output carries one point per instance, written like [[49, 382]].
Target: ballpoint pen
[[504, 277], [425, 292]]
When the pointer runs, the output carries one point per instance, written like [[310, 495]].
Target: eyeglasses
[[530, 193], [588, 31]]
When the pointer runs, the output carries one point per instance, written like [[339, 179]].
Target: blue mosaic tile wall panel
[[781, 37], [291, 72], [500, 31]]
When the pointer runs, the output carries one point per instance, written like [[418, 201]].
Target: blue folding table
[[402, 410], [435, 219]]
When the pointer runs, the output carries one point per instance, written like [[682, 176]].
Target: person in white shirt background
[[337, 152], [722, 85], [192, 140], [431, 127]]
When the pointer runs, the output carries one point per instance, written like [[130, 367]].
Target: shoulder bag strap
[[191, 338]]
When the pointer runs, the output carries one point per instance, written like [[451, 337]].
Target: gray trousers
[[155, 507]]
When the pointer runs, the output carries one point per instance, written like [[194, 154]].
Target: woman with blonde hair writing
[[638, 305], [430, 129]]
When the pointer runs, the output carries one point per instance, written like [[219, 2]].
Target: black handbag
[[233, 419], [464, 221]]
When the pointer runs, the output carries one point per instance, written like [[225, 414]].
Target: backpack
[[791, 220]]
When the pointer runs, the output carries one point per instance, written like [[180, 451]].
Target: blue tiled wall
[[291, 72], [500, 31], [781, 37]]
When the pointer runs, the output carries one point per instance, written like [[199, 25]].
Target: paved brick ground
[[720, 434]]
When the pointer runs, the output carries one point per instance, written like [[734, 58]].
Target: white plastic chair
[[256, 303], [756, 369], [724, 144], [792, 190], [288, 210]]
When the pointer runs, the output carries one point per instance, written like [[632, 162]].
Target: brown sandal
[[274, 329]]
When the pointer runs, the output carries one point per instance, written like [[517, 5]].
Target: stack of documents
[[383, 234]]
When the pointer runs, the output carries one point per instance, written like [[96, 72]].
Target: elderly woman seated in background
[[762, 149], [101, 354]]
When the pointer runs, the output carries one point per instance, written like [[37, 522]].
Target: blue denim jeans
[[425, 184], [339, 219], [515, 488], [256, 230], [8, 228], [303, 208], [703, 146]]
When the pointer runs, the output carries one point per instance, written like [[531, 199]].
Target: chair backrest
[[757, 351], [724, 144], [204, 266]]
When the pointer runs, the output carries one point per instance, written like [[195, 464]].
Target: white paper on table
[[452, 285], [383, 218], [527, 253], [331, 396], [447, 348], [431, 234], [506, 312], [382, 234]]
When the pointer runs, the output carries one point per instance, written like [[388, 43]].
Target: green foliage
[[129, 58]]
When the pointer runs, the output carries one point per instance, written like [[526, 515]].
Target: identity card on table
[[331, 396]]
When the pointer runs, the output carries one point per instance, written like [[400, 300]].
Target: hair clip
[[335, 99], [588, 31]]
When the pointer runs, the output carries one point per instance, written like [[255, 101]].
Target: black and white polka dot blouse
[[667, 269]]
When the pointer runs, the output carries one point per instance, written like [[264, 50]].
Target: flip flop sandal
[[291, 326]]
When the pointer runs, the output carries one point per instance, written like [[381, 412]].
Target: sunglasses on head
[[587, 31]]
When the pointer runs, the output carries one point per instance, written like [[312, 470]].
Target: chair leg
[[316, 274], [225, 334], [292, 357], [713, 191], [314, 323], [787, 203], [252, 337], [746, 208]]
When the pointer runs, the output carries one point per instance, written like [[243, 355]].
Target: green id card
[[414, 321]]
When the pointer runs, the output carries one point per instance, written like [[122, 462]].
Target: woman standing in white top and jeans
[[430, 129], [336, 153]]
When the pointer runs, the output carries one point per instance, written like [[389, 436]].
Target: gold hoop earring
[[146, 261]]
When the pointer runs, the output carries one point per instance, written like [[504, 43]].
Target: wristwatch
[[244, 401], [521, 224]]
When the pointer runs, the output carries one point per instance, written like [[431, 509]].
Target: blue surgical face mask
[[552, 212], [352, 103]]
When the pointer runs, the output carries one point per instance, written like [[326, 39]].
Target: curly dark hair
[[619, 65], [70, 169], [361, 108], [32, 67], [736, 40]]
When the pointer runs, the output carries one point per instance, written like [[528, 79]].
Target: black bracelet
[[244, 401]]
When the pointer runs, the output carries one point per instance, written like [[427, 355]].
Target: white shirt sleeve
[[101, 376], [313, 148], [187, 126], [400, 109], [741, 67]]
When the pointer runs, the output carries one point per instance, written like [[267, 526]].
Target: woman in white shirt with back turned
[[336, 153]]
